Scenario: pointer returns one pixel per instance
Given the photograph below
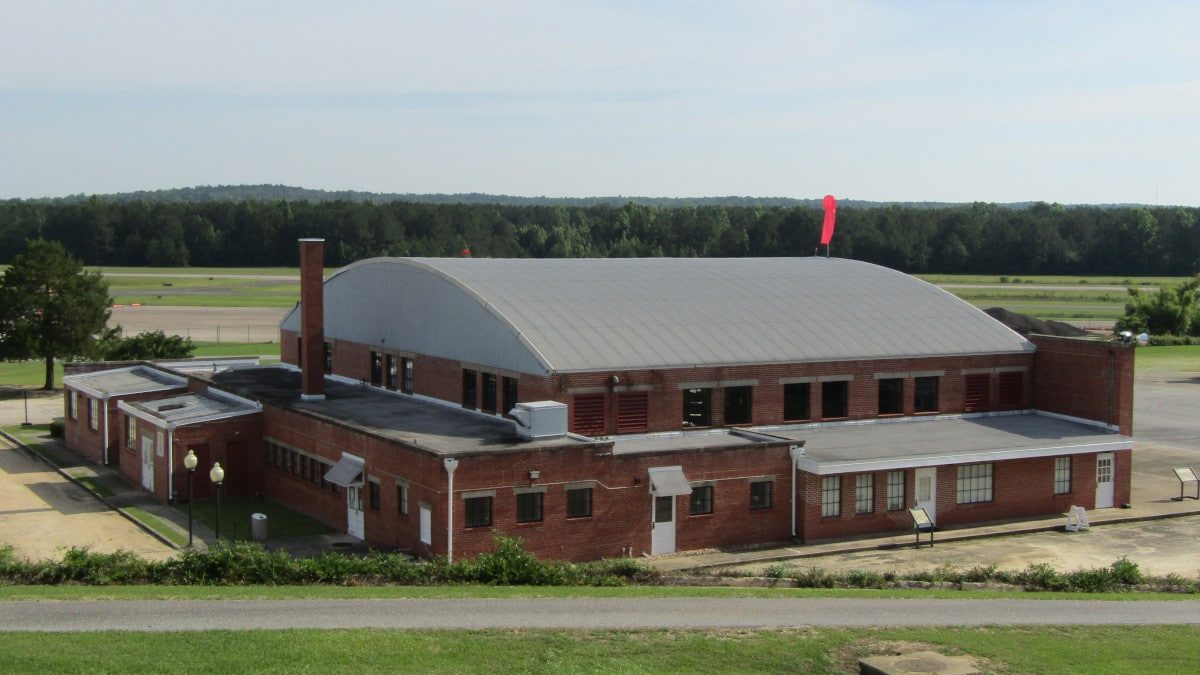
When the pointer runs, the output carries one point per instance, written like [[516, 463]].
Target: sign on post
[[1186, 475], [921, 523], [1077, 519]]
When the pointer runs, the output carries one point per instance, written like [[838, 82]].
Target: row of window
[[392, 371], [478, 509], [93, 409], [300, 465], [493, 385]]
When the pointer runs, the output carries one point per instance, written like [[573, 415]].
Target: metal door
[[147, 463], [354, 511], [662, 527], [1104, 480], [926, 484]]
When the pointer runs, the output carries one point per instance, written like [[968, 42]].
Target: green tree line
[[974, 238]]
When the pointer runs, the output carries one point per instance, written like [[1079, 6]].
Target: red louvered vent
[[632, 415], [587, 418], [1012, 389], [976, 392]]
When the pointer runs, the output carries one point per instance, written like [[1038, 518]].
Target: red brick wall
[[235, 442], [1090, 379], [89, 444]]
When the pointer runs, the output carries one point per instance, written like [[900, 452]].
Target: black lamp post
[[189, 462], [217, 476]]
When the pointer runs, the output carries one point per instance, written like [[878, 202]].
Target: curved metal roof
[[564, 315]]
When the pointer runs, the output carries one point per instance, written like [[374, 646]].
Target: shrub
[[1126, 572], [814, 577], [1042, 576], [775, 571], [57, 429], [864, 579]]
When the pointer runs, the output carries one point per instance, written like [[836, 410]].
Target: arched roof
[[572, 315]]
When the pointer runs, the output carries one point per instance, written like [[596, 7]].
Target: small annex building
[[599, 408]]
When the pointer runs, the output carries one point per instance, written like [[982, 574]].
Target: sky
[[1070, 102]]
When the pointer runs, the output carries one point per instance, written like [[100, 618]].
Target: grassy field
[[1048, 280], [1177, 359], [33, 373], [1071, 649], [235, 518], [199, 292]]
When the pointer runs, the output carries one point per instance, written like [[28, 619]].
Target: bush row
[[1121, 575], [1173, 340], [246, 563]]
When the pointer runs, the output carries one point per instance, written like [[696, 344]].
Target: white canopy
[[669, 481]]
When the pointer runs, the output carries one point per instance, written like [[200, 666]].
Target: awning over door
[[669, 481], [347, 472]]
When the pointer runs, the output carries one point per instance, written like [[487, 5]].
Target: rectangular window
[[702, 499], [587, 415], [509, 394], [470, 392], [303, 467], [131, 432], [977, 392], [329, 357], [489, 393], [393, 373], [478, 511], [295, 462], [738, 405], [316, 471], [93, 414], [402, 497], [864, 493], [374, 495], [73, 404], [1012, 389], [376, 368], [891, 396], [697, 407], [895, 490], [796, 402], [406, 366], [925, 395], [632, 412], [835, 399], [760, 494], [579, 503], [1062, 475], [529, 507], [974, 483], [286, 459], [831, 496]]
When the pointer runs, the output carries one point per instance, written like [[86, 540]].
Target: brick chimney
[[312, 319]]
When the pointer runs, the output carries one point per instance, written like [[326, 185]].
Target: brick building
[[660, 405]]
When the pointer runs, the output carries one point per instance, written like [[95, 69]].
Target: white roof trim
[[863, 465], [76, 382]]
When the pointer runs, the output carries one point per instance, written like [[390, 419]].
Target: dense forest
[[970, 238]]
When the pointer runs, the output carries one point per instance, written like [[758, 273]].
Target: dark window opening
[[300, 351], [796, 399], [891, 396], [760, 495], [489, 392], [587, 416], [702, 500], [977, 392], [393, 373], [328, 357], [304, 467], [835, 399], [925, 398], [373, 495], [478, 511], [1012, 389], [470, 394], [529, 507], [579, 503], [738, 405], [407, 366], [632, 412], [697, 407], [376, 368], [508, 386]]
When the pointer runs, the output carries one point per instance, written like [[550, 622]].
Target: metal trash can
[[258, 526]]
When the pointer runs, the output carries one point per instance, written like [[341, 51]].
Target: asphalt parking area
[[43, 513]]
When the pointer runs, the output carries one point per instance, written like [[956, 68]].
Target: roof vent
[[540, 419], [170, 406]]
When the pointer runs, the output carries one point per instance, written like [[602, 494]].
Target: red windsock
[[827, 228]]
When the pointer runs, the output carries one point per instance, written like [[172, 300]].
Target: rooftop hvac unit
[[540, 419]]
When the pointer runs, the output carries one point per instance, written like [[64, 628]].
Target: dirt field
[[209, 324]]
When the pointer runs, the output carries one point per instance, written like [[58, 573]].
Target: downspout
[[796, 452], [104, 455], [171, 463], [451, 464]]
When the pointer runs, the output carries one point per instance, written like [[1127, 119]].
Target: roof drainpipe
[[451, 464], [104, 440], [796, 452], [171, 463]]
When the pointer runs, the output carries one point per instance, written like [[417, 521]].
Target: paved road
[[577, 613], [1044, 287], [1167, 410]]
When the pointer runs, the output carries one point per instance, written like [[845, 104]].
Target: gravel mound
[[1025, 324]]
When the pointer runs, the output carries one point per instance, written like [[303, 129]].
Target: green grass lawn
[[282, 522], [237, 349], [1070, 649], [32, 374], [1049, 280], [1178, 359]]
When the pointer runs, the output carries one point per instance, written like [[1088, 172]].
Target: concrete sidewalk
[[1153, 486]]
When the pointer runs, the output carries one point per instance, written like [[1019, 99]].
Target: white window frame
[[831, 496], [73, 404], [896, 485], [402, 498], [93, 413], [864, 493], [1062, 475], [975, 484]]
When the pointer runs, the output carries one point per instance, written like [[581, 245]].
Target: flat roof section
[[192, 408], [123, 381], [437, 428], [932, 441], [715, 439]]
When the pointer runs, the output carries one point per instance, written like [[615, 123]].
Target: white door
[[354, 511], [148, 463], [926, 483], [1104, 480], [662, 528], [426, 524]]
